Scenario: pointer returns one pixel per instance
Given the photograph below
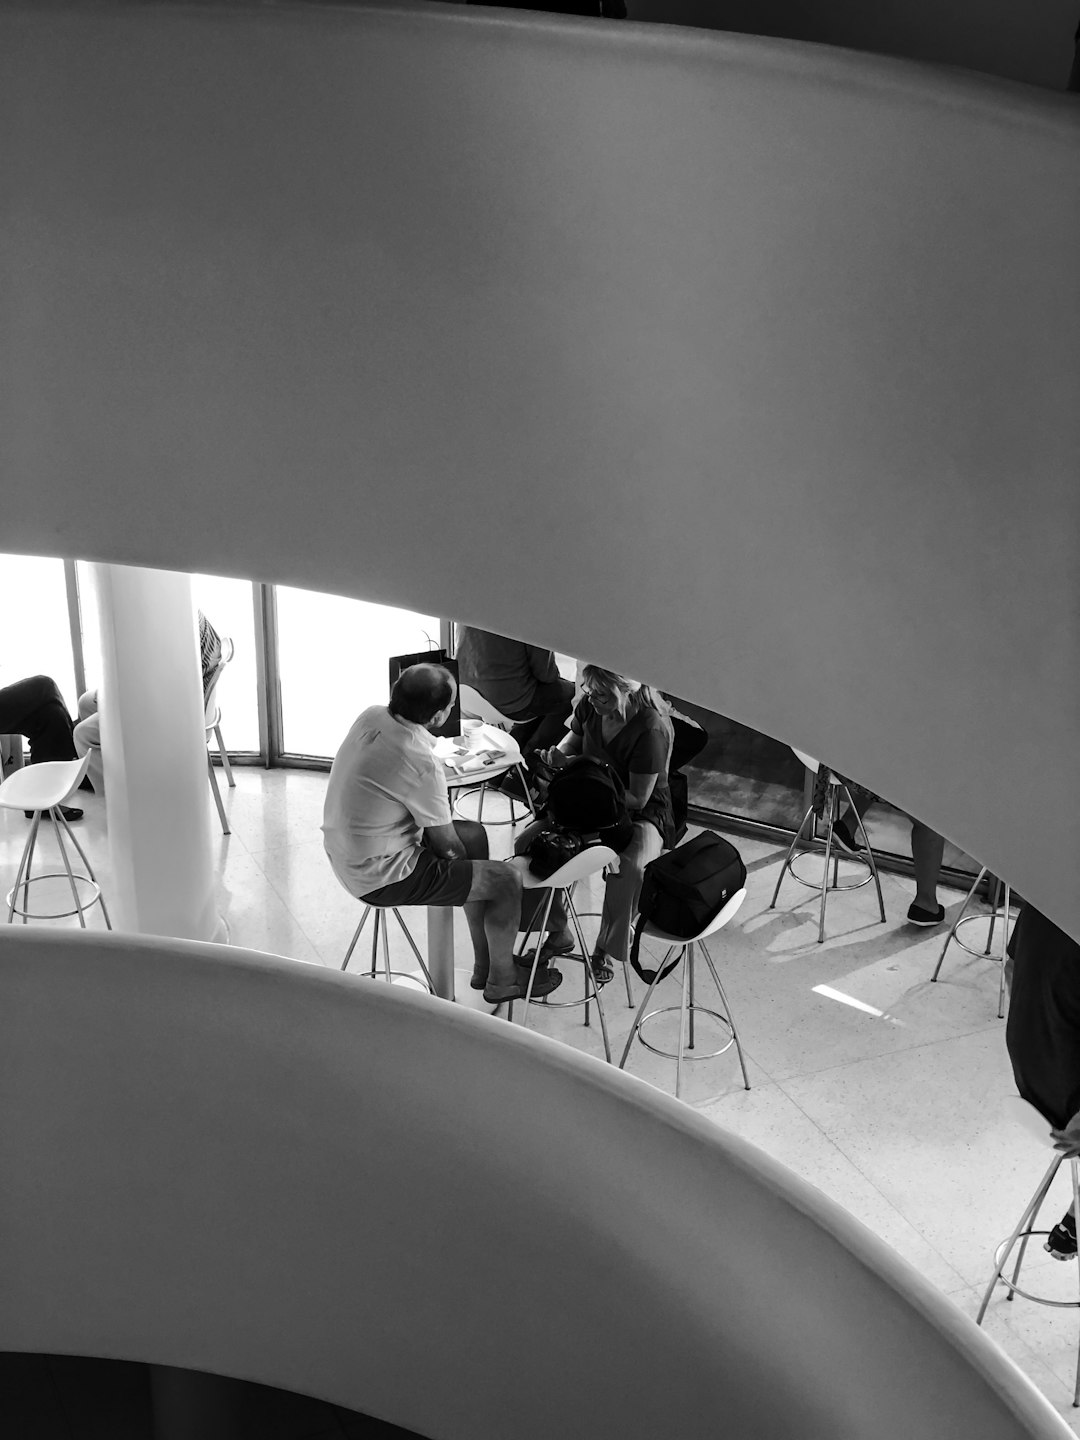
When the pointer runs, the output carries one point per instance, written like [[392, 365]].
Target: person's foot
[[602, 967], [1061, 1242], [551, 949], [843, 837], [545, 981], [68, 811], [917, 915]]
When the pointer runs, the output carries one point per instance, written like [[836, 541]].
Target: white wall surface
[[746, 367], [217, 1159]]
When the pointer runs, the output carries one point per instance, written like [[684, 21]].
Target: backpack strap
[[635, 957]]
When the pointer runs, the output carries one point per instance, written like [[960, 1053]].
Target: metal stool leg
[[636, 1026], [226, 763], [727, 1009], [687, 959], [787, 858], [24, 869], [217, 797], [67, 866], [356, 936], [869, 853], [590, 978], [386, 946], [952, 929], [413, 946], [1030, 1211], [832, 803], [89, 868]]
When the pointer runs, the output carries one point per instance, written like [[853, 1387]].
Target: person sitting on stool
[[391, 838], [35, 708], [1042, 1036]]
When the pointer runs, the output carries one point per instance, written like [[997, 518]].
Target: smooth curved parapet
[[226, 1161], [744, 366]]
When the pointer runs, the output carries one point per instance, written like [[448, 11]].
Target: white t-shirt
[[386, 788]]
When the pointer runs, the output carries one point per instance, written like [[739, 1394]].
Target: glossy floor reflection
[[878, 1087]]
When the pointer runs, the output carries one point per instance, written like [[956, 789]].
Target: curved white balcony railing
[[227, 1161]]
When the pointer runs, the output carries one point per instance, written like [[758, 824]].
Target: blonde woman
[[628, 725]]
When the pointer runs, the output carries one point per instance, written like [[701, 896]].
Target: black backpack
[[685, 889], [587, 797]]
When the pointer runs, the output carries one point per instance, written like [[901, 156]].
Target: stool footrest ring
[[688, 1054]]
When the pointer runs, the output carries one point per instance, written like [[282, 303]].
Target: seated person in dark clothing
[[522, 681], [628, 725], [35, 708], [1043, 1039]]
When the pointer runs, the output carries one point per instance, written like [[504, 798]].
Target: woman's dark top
[[641, 747], [1042, 1035]]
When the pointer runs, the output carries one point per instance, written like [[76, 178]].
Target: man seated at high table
[[391, 838]]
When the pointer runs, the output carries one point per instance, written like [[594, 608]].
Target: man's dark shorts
[[433, 881]]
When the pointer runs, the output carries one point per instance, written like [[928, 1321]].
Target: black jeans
[[35, 708]]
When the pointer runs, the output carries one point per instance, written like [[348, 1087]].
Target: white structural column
[[153, 749]]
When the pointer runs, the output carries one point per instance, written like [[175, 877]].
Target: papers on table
[[481, 748]]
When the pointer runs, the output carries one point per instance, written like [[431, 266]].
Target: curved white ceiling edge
[[747, 368]]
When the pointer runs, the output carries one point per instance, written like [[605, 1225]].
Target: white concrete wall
[[235, 1163], [746, 367]]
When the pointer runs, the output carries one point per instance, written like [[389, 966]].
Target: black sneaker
[[916, 915], [843, 837], [1061, 1242], [69, 812]]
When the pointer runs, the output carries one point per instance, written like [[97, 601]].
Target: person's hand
[[554, 758], [1067, 1141]]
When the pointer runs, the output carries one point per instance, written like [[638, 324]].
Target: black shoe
[[843, 837], [510, 785], [918, 916], [1061, 1242], [68, 811]]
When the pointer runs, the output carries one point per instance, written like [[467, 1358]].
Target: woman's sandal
[[603, 971]]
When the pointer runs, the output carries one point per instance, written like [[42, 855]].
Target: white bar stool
[[996, 912], [475, 707], [833, 787], [688, 1006], [380, 929], [212, 720], [43, 788], [1027, 1115], [590, 861]]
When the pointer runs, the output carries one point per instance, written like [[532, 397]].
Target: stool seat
[[834, 785], [42, 789], [1038, 1126], [688, 1007], [590, 861]]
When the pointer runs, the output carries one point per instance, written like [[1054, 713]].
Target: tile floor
[[890, 1105]]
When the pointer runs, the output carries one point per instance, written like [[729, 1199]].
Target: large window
[[333, 659], [37, 632]]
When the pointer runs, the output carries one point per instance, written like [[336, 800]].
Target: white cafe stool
[[998, 912], [43, 788], [1030, 1118], [402, 977], [688, 1006], [834, 785], [475, 707], [590, 861]]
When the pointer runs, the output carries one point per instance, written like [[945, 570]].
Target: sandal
[[603, 970], [546, 981]]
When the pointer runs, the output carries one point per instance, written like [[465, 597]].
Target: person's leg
[[87, 738], [621, 891], [927, 850], [35, 708]]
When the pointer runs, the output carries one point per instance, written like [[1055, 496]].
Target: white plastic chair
[[213, 729], [590, 861], [1038, 1126], [475, 707], [688, 1006], [834, 785], [43, 788]]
